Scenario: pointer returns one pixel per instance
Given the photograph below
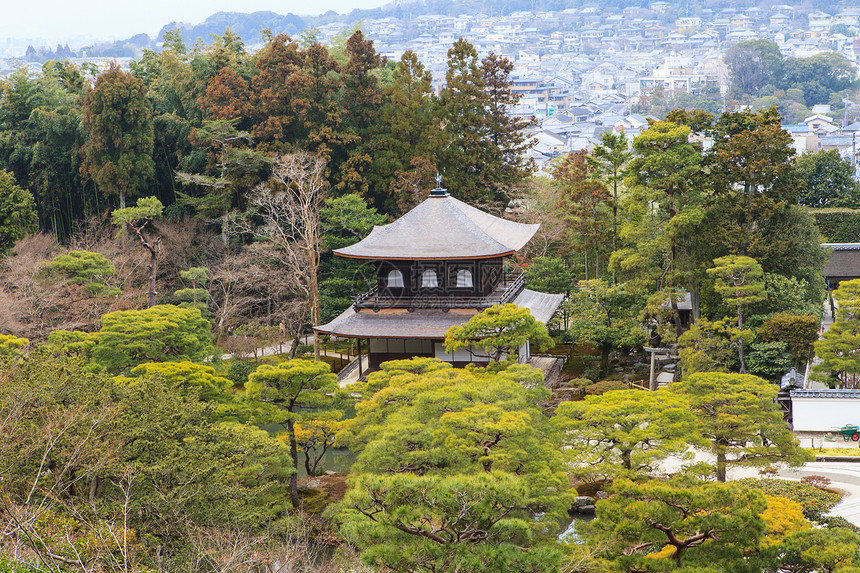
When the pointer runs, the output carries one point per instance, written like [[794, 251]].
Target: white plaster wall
[[477, 354], [824, 414]]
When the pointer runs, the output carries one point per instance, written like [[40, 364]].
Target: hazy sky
[[114, 19]]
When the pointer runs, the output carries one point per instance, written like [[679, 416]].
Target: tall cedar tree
[[482, 157], [407, 137], [362, 96], [506, 132], [610, 157], [118, 117], [298, 94], [582, 204], [754, 211], [319, 109], [753, 175], [228, 97], [665, 208], [277, 65]]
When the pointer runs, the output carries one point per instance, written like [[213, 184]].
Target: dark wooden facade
[[487, 275]]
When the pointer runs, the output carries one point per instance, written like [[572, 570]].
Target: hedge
[[838, 225]]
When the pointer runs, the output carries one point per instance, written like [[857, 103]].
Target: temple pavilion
[[436, 266]]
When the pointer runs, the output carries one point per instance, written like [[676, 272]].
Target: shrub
[[239, 371], [797, 331], [604, 386], [820, 482], [814, 501]]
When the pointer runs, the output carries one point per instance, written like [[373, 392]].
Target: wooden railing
[[512, 285]]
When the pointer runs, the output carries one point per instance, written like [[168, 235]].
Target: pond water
[[337, 460], [569, 535]]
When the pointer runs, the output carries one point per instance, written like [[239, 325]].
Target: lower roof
[[426, 323]]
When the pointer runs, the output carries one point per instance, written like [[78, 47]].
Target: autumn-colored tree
[[362, 97], [118, 153], [228, 97], [315, 436]]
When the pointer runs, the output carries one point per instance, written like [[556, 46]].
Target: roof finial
[[438, 191]]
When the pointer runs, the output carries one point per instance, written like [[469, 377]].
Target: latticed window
[[395, 279], [428, 279], [464, 278]]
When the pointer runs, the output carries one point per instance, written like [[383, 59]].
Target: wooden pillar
[[359, 358]]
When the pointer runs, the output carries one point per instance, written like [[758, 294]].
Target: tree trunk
[[95, 488], [741, 342], [153, 272], [314, 294], [586, 258], [604, 359], [721, 467], [308, 464], [225, 238], [614, 221], [294, 479]]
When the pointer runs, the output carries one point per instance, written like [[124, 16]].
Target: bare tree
[[286, 213]]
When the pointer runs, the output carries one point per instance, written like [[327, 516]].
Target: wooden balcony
[[505, 292]]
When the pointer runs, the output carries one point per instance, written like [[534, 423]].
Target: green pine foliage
[[814, 500], [163, 333]]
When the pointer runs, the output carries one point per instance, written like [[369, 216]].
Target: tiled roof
[[828, 393]]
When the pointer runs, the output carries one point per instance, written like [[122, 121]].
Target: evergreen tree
[[408, 130], [482, 154], [118, 153]]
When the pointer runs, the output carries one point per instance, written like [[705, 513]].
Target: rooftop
[[442, 227], [426, 323]]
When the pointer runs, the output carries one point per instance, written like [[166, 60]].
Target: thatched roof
[[442, 227]]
